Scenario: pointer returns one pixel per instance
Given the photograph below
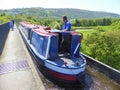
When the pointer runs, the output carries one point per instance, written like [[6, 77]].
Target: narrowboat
[[45, 44]]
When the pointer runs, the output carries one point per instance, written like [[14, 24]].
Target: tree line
[[93, 22], [57, 23]]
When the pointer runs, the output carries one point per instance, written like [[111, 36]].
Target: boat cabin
[[48, 43]]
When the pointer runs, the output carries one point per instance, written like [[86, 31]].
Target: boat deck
[[62, 58]]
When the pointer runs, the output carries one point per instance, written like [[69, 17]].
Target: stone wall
[[107, 70]]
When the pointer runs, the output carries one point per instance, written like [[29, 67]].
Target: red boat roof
[[41, 30], [27, 24]]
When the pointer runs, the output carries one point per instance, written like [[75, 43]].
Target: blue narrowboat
[[45, 44]]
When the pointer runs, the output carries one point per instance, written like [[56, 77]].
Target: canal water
[[94, 80]]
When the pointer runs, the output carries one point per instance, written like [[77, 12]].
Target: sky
[[93, 5]]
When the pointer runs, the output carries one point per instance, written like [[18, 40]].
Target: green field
[[88, 30]]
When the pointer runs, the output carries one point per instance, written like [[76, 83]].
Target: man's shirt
[[67, 26]]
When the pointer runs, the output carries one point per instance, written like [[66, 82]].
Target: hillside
[[58, 13]]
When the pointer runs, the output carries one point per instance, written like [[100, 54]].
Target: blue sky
[[94, 5]]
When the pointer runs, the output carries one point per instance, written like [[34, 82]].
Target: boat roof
[[46, 31], [28, 24], [41, 30]]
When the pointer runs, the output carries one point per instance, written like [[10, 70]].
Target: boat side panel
[[39, 60], [44, 45], [53, 53], [39, 43], [64, 70], [74, 45]]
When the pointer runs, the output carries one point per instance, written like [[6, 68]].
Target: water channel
[[94, 80]]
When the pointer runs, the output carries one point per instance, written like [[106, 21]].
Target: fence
[[4, 30]]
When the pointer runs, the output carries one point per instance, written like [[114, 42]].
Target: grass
[[85, 31], [88, 30], [107, 27]]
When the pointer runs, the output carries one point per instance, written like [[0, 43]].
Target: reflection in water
[[94, 80]]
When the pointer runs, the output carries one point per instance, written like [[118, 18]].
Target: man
[[66, 35], [66, 26], [11, 25]]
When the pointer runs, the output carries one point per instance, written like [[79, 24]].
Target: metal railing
[[4, 30]]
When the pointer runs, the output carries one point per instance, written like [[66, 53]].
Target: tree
[[55, 25], [104, 47]]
